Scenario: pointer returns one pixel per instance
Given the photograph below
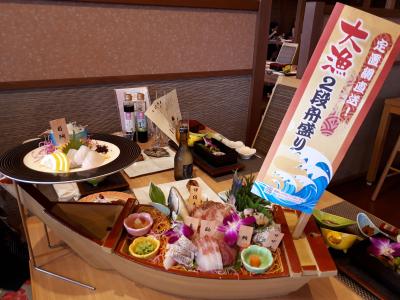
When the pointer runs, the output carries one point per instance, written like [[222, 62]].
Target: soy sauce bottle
[[183, 162], [141, 121], [129, 117]]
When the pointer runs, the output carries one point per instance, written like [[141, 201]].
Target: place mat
[[352, 276], [151, 165]]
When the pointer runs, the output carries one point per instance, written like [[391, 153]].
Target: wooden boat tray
[[279, 269]]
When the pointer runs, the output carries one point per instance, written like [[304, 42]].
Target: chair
[[386, 170], [278, 104]]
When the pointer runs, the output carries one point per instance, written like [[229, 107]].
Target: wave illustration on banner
[[298, 191]]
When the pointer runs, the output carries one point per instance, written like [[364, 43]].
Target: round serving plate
[[13, 166], [109, 196]]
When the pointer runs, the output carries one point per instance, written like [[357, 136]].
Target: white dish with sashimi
[[71, 158]]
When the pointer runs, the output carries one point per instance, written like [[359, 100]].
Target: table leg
[[379, 144], [30, 250]]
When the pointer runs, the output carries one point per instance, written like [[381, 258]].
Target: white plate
[[142, 194], [32, 161], [151, 164]]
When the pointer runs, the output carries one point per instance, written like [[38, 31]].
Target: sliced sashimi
[[92, 160]]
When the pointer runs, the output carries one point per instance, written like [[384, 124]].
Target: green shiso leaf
[[156, 194], [74, 143]]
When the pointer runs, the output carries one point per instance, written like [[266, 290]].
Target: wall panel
[[43, 40]]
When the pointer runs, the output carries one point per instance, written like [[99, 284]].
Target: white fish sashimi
[[208, 257], [71, 156], [92, 160], [80, 155]]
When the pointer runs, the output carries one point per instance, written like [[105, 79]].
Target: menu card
[[165, 113]]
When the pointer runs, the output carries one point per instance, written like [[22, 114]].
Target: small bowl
[[144, 239], [338, 240], [129, 221], [95, 181], [362, 221], [331, 221], [264, 254], [246, 152]]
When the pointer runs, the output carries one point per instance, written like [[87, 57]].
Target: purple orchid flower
[[383, 246], [48, 147], [208, 142], [177, 231], [231, 227]]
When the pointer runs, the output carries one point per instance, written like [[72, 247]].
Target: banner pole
[[301, 224]]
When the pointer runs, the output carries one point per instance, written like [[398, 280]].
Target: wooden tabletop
[[111, 285]]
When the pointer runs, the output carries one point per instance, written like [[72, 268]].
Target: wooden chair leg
[[386, 169]]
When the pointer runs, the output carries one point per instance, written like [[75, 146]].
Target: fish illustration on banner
[[347, 69]]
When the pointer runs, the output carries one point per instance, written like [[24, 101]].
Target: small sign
[[60, 131], [272, 239], [194, 197], [245, 234], [207, 228], [193, 223]]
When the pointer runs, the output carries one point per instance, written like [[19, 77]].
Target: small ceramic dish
[[138, 224], [331, 221], [246, 152], [264, 256], [366, 226], [232, 144], [338, 240], [144, 247]]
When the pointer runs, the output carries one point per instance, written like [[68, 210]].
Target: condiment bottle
[[129, 116], [141, 122], [183, 162]]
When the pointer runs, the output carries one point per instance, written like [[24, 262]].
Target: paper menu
[[165, 113]]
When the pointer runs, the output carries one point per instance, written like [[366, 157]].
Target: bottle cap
[[128, 97], [137, 96]]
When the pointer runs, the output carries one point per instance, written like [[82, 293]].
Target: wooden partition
[[53, 45]]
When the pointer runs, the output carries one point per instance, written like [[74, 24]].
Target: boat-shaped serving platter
[[103, 244]]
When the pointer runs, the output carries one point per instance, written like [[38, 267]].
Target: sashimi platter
[[85, 155]]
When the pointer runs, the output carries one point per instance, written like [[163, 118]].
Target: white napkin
[[67, 191]]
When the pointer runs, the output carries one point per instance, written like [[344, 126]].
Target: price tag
[[272, 239], [194, 197], [245, 234], [207, 228], [192, 222], [60, 131]]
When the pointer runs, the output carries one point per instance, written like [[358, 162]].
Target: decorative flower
[[177, 231], [47, 146], [383, 246], [231, 227]]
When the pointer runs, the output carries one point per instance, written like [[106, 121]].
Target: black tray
[[372, 265], [229, 158]]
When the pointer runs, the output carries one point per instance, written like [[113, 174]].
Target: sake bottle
[[183, 162]]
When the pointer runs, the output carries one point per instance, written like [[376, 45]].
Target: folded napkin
[[67, 191]]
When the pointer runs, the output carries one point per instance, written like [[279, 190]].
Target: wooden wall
[[42, 40]]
